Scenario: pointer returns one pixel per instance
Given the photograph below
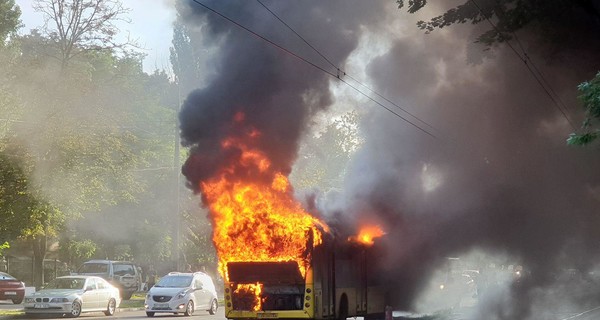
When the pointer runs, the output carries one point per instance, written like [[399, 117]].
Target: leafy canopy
[[590, 96]]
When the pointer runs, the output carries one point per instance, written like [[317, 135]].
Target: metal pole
[[176, 166]]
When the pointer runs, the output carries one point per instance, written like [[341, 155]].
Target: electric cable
[[342, 71], [526, 61]]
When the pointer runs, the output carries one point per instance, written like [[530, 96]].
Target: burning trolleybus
[[341, 280], [277, 260]]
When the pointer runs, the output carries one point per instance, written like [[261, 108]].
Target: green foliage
[[590, 97], [554, 20], [87, 155], [186, 58], [9, 19], [413, 5], [16, 199], [76, 251], [3, 247], [327, 152]]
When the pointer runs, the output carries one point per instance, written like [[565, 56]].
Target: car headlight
[[148, 296], [182, 294], [58, 300], [29, 300]]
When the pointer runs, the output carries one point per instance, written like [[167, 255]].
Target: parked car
[[11, 288], [73, 295], [122, 274], [182, 293]]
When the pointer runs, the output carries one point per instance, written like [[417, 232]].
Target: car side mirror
[[89, 288]]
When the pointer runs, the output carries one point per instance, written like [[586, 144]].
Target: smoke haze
[[498, 177]]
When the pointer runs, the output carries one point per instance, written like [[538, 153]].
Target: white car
[[182, 293], [73, 295]]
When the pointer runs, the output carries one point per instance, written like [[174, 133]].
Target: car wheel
[[111, 307], [75, 309], [150, 314], [17, 300], [213, 307], [189, 308]]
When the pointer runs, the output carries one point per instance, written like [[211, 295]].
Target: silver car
[[182, 293], [73, 295]]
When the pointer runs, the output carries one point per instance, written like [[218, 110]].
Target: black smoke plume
[[277, 92]]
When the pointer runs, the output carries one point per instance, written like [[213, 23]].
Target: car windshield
[[175, 281], [93, 268], [6, 276], [66, 283]]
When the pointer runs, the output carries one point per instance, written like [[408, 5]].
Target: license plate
[[266, 315], [10, 293], [161, 306], [41, 306]]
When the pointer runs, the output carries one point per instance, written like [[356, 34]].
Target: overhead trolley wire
[[528, 58], [315, 66], [342, 72], [539, 77], [541, 74], [297, 34]]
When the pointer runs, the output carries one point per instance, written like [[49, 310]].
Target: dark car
[[11, 288], [122, 274]]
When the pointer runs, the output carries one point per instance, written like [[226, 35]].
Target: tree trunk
[[39, 254]]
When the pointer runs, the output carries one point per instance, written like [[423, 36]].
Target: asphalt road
[[460, 314], [120, 314]]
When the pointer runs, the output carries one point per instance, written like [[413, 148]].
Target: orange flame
[[367, 234], [254, 214], [251, 292]]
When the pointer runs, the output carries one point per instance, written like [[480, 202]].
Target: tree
[[25, 214], [185, 59], [97, 144], [590, 96], [79, 26], [561, 24], [9, 19], [556, 20], [96, 136], [326, 153], [15, 197]]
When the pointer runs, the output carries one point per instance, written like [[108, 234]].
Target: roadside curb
[[20, 312], [129, 309]]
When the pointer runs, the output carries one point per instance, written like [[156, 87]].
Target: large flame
[[367, 234], [255, 217]]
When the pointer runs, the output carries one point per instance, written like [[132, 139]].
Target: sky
[[151, 27]]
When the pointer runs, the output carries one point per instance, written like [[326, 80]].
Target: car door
[[104, 292], [90, 295], [200, 294]]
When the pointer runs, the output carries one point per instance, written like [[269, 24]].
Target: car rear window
[[123, 269], [93, 268]]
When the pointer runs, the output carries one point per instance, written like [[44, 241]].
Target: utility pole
[[177, 171]]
